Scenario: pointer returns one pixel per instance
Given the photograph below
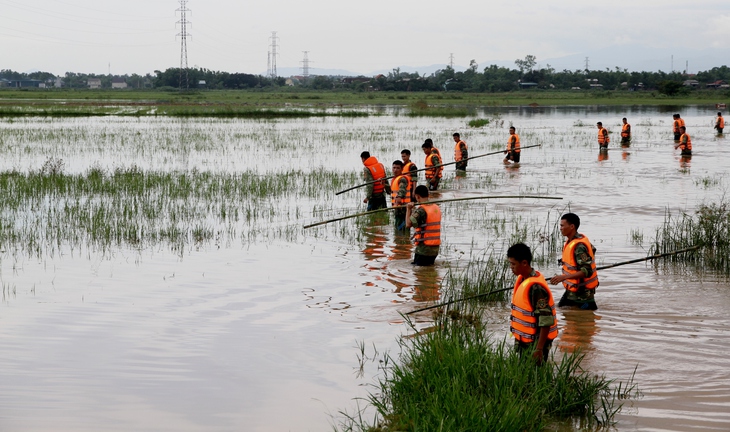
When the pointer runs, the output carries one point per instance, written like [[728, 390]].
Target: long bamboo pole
[[429, 202], [677, 252], [433, 167]]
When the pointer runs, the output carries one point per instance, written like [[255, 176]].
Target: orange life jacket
[[378, 172], [433, 172], [457, 150], [625, 130], [685, 146], [681, 122], [720, 123], [429, 233], [676, 126], [571, 266], [407, 170], [395, 187], [603, 139], [523, 322], [517, 143]]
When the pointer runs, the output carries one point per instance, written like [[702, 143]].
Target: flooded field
[[156, 275]]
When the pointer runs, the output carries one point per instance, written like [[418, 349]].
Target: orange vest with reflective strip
[[523, 322], [625, 130], [603, 139], [378, 172], [681, 122], [429, 233], [720, 124], [688, 145], [395, 187], [433, 172], [571, 266], [676, 125], [517, 143], [457, 150], [407, 170]]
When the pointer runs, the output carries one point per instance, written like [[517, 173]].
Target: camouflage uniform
[[418, 218], [433, 183], [461, 165], [583, 298], [540, 302], [375, 202], [400, 214]]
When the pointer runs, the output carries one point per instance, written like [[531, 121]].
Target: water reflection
[[625, 152], [685, 162], [577, 329], [602, 155], [427, 284]]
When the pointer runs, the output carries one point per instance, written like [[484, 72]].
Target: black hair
[[456, 134], [520, 252], [406, 151], [422, 191], [572, 219], [428, 143], [599, 124], [398, 162], [365, 155], [623, 118], [512, 127]]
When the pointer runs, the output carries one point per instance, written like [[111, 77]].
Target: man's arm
[[540, 301], [583, 262], [367, 177], [464, 150]]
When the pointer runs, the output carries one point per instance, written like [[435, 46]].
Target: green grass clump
[[456, 379], [477, 123], [709, 227]]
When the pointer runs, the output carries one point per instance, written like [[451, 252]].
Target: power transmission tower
[[272, 55], [587, 64], [451, 60], [305, 65], [183, 44]]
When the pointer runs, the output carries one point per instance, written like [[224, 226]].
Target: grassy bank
[[455, 379], [284, 102]]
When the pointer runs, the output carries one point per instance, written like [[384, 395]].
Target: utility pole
[[451, 60], [686, 67], [305, 65], [272, 55], [183, 44], [672, 65]]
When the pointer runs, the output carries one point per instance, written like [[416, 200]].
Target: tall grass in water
[[709, 227], [456, 379]]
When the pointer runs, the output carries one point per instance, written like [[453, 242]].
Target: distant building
[[24, 83], [691, 83], [359, 79], [202, 84], [94, 83], [4, 82], [596, 86], [527, 85], [719, 84], [119, 83]]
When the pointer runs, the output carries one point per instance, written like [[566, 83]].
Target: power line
[[183, 44]]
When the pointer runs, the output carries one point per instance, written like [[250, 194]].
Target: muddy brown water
[[263, 335]]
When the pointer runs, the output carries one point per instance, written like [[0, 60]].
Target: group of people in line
[[681, 137], [533, 321]]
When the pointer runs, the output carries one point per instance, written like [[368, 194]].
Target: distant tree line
[[491, 79]]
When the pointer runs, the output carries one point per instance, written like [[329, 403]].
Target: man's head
[[520, 258], [511, 130], [679, 116], [365, 155], [421, 192], [456, 136], [427, 146], [599, 125], [405, 155], [624, 120], [675, 116], [397, 167], [569, 224], [719, 114], [682, 129]]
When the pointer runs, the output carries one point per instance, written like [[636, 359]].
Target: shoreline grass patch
[[456, 379]]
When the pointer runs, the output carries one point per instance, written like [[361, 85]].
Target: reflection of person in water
[[577, 330], [375, 240], [602, 154], [427, 284]]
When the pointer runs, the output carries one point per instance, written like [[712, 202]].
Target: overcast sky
[[139, 36]]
